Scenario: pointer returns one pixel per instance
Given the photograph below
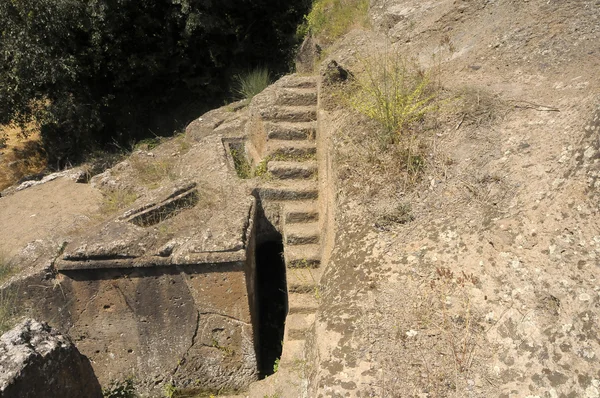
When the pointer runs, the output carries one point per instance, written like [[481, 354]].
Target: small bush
[[120, 389], [393, 91], [249, 84], [330, 19]]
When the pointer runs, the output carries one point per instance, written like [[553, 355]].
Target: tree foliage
[[94, 72]]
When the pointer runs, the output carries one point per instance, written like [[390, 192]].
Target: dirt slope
[[492, 290]]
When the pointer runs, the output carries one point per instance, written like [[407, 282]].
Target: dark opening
[[272, 304]]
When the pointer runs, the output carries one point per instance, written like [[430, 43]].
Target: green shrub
[[96, 73], [249, 84], [330, 19], [393, 91]]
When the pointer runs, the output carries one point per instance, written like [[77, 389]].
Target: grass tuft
[[248, 84]]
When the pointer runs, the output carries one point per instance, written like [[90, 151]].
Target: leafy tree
[[95, 72]]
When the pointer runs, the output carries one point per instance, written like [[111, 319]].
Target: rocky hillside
[[478, 276], [460, 241]]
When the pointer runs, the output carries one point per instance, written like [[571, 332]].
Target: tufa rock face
[[307, 55], [36, 361]]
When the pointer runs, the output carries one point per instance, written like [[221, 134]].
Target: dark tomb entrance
[[272, 303]]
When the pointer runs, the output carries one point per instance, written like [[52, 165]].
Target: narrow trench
[[272, 303]]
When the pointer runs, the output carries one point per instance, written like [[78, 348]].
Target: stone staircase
[[291, 149]]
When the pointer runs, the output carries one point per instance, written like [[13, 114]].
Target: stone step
[[291, 131], [291, 113], [292, 170], [303, 256], [288, 190], [297, 326], [297, 97], [302, 303], [304, 280], [293, 352], [300, 212], [298, 81], [291, 150], [301, 234]]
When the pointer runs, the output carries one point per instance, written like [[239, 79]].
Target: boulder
[[36, 361]]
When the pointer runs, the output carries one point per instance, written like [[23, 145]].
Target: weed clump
[[244, 169], [240, 162], [120, 389], [395, 92]]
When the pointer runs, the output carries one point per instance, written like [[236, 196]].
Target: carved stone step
[[301, 234], [293, 352], [304, 280], [291, 150], [291, 131], [299, 81], [303, 256], [292, 170], [288, 190], [291, 113], [297, 97], [297, 326], [302, 303], [300, 212]]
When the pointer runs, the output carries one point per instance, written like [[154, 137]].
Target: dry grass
[[476, 106], [7, 269], [7, 310], [21, 154], [115, 200], [429, 345], [151, 172]]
